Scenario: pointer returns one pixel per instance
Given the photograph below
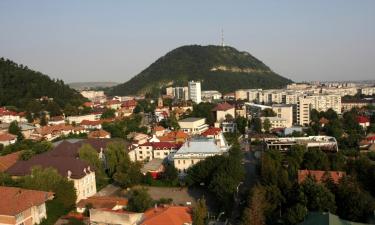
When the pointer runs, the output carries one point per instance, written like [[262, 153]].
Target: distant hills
[[218, 68], [19, 85], [91, 85]]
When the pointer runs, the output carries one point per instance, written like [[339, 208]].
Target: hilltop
[[19, 85], [219, 68]]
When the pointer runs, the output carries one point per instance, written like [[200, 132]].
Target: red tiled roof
[[9, 160], [16, 200], [171, 215], [319, 175], [98, 134], [161, 145], [90, 122], [371, 138], [129, 103], [7, 137], [159, 128], [223, 107], [5, 112], [363, 119], [212, 131], [113, 102]]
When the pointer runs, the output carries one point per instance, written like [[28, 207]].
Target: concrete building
[[193, 125], [326, 143], [368, 90], [114, 217], [285, 112], [275, 122], [302, 111], [194, 151], [180, 93], [195, 93], [212, 95], [325, 102]]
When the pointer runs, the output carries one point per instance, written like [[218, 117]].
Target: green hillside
[[19, 85], [219, 68]]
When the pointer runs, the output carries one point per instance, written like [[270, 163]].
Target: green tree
[[115, 154], [139, 200], [254, 214], [268, 113], [352, 203], [53, 108], [256, 124], [295, 214], [315, 159], [88, 154], [267, 125], [49, 179], [200, 212], [26, 155], [241, 124], [319, 198], [16, 130], [108, 113]]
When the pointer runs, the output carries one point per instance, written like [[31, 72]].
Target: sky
[[77, 40]]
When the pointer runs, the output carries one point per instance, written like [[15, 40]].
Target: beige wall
[[86, 186], [284, 112], [220, 115]]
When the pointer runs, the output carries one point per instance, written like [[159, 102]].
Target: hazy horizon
[[113, 41]]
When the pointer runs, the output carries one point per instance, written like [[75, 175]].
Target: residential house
[[23, 206], [363, 121], [159, 131], [56, 120], [7, 116], [99, 134], [113, 104], [275, 122], [102, 202], [150, 150], [221, 110], [7, 139], [178, 136], [171, 215]]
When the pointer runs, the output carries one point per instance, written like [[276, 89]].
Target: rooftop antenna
[[222, 37]]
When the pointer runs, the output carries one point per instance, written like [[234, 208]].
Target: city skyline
[[114, 41]]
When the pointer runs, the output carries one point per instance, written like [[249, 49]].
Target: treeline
[[19, 85], [280, 199]]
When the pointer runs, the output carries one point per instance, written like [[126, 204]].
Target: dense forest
[[219, 68], [19, 85]]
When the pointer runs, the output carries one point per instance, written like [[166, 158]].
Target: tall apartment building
[[302, 111], [195, 91], [181, 93], [325, 102]]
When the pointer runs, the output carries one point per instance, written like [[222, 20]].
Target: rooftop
[[171, 215], [191, 119], [201, 145], [16, 200]]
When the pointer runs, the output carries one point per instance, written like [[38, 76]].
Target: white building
[[193, 125], [209, 96], [195, 91], [325, 102], [194, 151], [275, 122], [285, 112]]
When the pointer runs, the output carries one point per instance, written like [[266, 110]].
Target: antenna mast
[[222, 37]]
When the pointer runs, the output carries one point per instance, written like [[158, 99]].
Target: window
[[141, 157], [165, 153], [183, 161], [178, 161], [140, 152], [158, 153]]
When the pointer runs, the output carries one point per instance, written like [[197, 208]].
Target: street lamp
[[220, 214]]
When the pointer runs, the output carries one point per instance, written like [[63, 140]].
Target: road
[[249, 162]]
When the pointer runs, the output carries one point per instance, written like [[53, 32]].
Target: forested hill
[[219, 68], [19, 85]]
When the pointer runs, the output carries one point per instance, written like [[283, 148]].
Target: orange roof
[[212, 131], [159, 128], [319, 175], [98, 134], [223, 107], [171, 215], [16, 200], [7, 137], [9, 160], [166, 139], [105, 202]]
